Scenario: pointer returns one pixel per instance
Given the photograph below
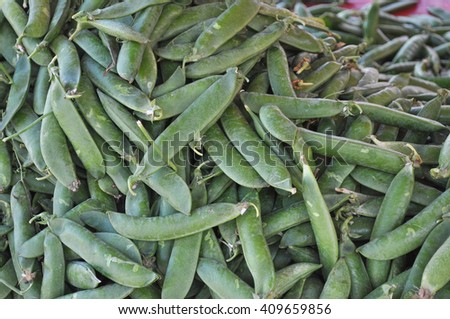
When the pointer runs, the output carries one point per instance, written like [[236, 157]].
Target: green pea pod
[[59, 18], [8, 276], [55, 149], [93, 46], [41, 86], [110, 291], [320, 76], [224, 27], [76, 131], [122, 244], [169, 13], [18, 90], [390, 216], [298, 236], [288, 276], [38, 18], [104, 258], [411, 48], [222, 281], [431, 244], [278, 71], [117, 88], [81, 275], [119, 10], [131, 53], [17, 18], [409, 235], [253, 46], [382, 51], [370, 23], [177, 80], [435, 274], [106, 200], [147, 74], [5, 167], [338, 283], [7, 42], [177, 225], [238, 131], [392, 289], [53, 268], [62, 200], [30, 136], [295, 108], [443, 170], [312, 288], [68, 64]]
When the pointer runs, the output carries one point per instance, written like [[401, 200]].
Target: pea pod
[[104, 258], [177, 225], [338, 283], [169, 13], [75, 130], [53, 268], [278, 71], [18, 90], [38, 20], [93, 46], [443, 170], [147, 73], [81, 275], [5, 167], [110, 291]]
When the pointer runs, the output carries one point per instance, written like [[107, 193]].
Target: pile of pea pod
[[237, 149]]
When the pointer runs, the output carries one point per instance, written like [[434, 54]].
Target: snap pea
[[253, 46], [177, 225], [41, 85], [278, 71], [169, 13], [409, 235], [53, 268], [7, 43], [392, 289], [93, 46], [18, 90], [338, 283], [34, 246], [62, 200], [5, 167], [110, 262], [122, 244], [76, 131], [177, 80], [55, 150], [38, 18], [443, 170]]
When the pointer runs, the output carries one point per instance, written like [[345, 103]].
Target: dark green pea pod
[[392, 289], [169, 13], [278, 71], [110, 291], [41, 86], [336, 85], [107, 201], [55, 150], [176, 81], [312, 288], [382, 51], [443, 170], [150, 292], [370, 23], [18, 90], [62, 200], [104, 258], [38, 19], [7, 42], [147, 74], [298, 236], [122, 244], [53, 268], [338, 283], [131, 53], [76, 131], [17, 18], [30, 136], [97, 220], [81, 275], [5, 167], [303, 254], [8, 277], [33, 247], [411, 48]]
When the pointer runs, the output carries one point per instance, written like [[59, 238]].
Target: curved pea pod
[[5, 167], [392, 289], [131, 53], [116, 87], [352, 151], [176, 225], [224, 154], [18, 90], [17, 18], [41, 86], [38, 18], [93, 46], [175, 81], [436, 274], [390, 216], [224, 27], [278, 71], [7, 42], [34, 246], [177, 101], [288, 276], [222, 281], [53, 268], [409, 235], [110, 291], [31, 136], [443, 170], [104, 258], [169, 13], [298, 236], [253, 46], [147, 74], [338, 283], [336, 85], [295, 108], [382, 51], [431, 244], [411, 48], [81, 275], [237, 129], [319, 77], [76, 131], [55, 150], [94, 113], [201, 114], [254, 245], [68, 63]]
